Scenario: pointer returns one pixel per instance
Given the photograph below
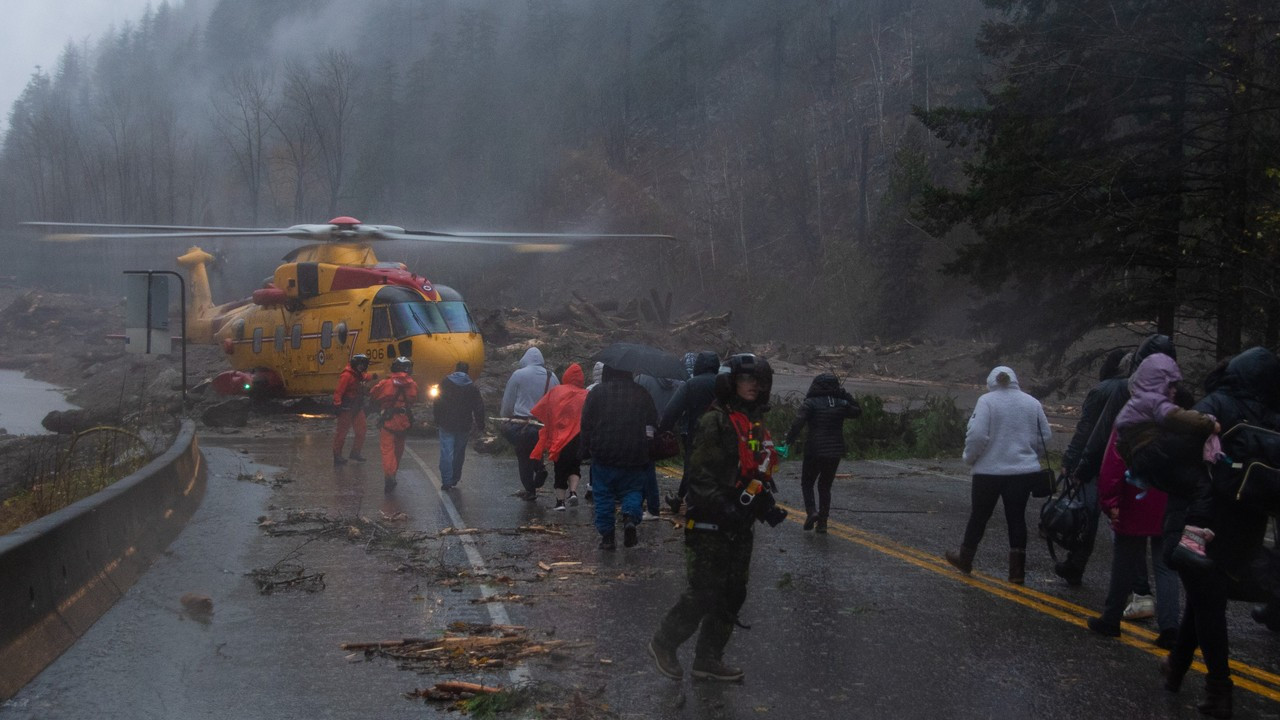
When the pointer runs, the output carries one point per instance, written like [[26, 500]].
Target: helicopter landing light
[[433, 392]]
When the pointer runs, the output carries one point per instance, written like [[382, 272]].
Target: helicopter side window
[[380, 328], [257, 340], [295, 338], [237, 330], [279, 338], [342, 333], [326, 335], [457, 317]]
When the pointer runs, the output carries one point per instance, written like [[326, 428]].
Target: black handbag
[[1064, 518], [1252, 478]]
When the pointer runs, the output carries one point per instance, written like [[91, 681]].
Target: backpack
[[1064, 517]]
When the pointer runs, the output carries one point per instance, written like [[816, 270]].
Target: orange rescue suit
[[394, 395], [349, 398]]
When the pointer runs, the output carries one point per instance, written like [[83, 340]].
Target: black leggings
[[822, 471], [1014, 491]]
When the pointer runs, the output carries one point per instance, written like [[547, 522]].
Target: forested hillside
[[821, 161]]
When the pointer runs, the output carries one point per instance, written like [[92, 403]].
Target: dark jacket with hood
[[1247, 391], [694, 397], [459, 407], [615, 417], [1083, 456], [825, 408]]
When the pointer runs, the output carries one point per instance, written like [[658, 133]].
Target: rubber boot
[[1017, 566], [1217, 699], [963, 559]]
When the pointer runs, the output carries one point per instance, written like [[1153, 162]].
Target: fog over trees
[[821, 161]]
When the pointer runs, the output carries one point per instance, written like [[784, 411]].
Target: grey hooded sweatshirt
[[1008, 431], [527, 385]]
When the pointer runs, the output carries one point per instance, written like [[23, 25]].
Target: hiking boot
[[821, 526], [356, 456], [1140, 607], [573, 499], [1068, 573], [559, 505], [607, 542], [810, 520], [629, 538], [674, 502], [962, 559], [1217, 699], [1017, 566], [666, 660], [712, 669], [1167, 638], [1102, 627], [339, 460]]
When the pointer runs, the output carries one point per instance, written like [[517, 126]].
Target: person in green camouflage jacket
[[718, 533]]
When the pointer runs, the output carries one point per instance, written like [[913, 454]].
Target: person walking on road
[[458, 409], [618, 422], [685, 407], [1003, 443], [560, 412], [662, 390], [395, 396], [524, 389], [1247, 391], [731, 450], [825, 408], [1083, 457], [349, 397]]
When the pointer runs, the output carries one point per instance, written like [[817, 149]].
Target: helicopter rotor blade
[[528, 241], [79, 237], [148, 228]]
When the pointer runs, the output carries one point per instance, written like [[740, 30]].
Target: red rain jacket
[[560, 412]]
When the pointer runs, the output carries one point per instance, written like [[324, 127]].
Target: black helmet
[[360, 362], [402, 364], [744, 364]]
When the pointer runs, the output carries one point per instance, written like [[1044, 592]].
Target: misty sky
[[37, 30]]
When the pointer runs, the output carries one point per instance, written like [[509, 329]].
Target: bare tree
[[241, 116]]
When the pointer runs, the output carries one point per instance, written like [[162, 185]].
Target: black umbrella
[[636, 358]]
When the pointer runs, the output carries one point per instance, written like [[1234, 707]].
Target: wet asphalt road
[[867, 621]]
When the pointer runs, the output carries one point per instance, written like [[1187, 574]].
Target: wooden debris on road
[[463, 647]]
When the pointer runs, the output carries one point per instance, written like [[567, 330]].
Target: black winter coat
[[694, 397], [1247, 391], [825, 408], [1083, 456], [615, 416]]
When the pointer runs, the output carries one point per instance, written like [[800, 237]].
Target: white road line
[[519, 675]]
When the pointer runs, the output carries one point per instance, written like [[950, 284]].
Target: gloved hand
[[783, 451]]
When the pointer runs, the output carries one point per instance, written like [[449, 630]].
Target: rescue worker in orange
[[560, 412], [394, 396], [349, 397]]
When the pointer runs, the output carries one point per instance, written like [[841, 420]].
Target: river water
[[24, 403]]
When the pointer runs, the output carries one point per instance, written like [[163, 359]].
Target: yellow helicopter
[[330, 300]]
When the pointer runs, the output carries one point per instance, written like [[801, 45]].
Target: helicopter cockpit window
[[326, 335], [295, 338], [279, 338], [457, 318], [257, 340], [417, 318]]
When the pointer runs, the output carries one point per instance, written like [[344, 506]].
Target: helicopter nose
[[435, 356]]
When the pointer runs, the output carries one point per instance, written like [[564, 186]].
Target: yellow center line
[[1051, 605], [1056, 607]]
